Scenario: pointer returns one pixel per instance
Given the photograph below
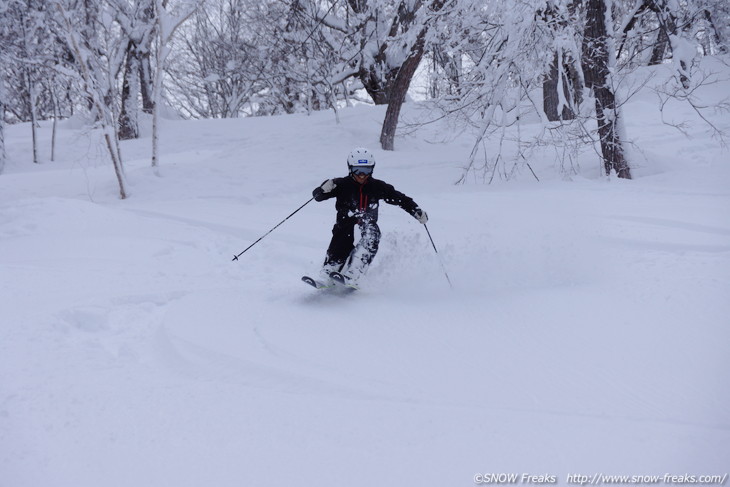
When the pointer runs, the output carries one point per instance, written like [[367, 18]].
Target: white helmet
[[361, 161]]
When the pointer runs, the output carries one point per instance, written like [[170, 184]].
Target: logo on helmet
[[362, 161]]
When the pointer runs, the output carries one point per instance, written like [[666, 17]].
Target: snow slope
[[587, 331]]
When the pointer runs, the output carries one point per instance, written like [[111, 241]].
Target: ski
[[339, 284], [342, 281], [316, 284]]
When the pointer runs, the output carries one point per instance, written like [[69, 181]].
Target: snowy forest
[[479, 64]]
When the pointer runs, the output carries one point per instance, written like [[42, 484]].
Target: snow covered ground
[[587, 333]]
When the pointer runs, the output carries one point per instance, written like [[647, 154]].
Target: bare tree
[[378, 42], [167, 23], [96, 77], [562, 86], [222, 59], [402, 80], [265, 57], [667, 30], [446, 70], [23, 41], [28, 26], [137, 24], [717, 32], [598, 59]]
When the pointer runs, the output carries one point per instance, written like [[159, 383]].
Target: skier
[[358, 196]]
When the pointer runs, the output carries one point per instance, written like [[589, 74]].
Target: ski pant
[[344, 256]]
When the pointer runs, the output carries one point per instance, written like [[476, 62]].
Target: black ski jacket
[[357, 201]]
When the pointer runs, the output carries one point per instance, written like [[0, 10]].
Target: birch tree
[[23, 43], [96, 75], [167, 23], [30, 22], [137, 27]]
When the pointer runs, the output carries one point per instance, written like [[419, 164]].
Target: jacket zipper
[[363, 199]]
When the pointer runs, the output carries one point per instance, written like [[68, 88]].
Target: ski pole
[[443, 267], [235, 257]]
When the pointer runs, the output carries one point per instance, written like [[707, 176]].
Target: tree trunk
[[597, 76], [33, 110], [635, 17], [144, 56], [667, 27], [145, 82], [720, 45], [401, 83], [562, 86], [550, 98], [54, 102], [398, 92], [611, 148], [558, 80], [128, 122], [378, 87], [660, 47], [106, 118], [378, 79], [157, 99], [116, 162], [30, 83], [165, 31]]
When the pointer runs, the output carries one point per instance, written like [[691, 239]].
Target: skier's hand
[[328, 186], [421, 216], [323, 191]]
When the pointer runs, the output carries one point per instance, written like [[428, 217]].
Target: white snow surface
[[587, 331]]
